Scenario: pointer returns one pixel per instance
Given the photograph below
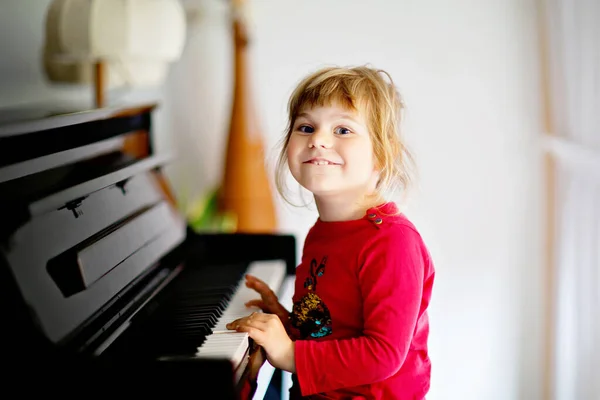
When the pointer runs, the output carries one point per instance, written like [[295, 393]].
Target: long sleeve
[[391, 275]]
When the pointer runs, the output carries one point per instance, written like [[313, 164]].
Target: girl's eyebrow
[[349, 117], [303, 115]]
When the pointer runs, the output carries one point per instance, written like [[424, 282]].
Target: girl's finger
[[247, 324], [256, 303], [256, 334], [233, 324], [252, 278], [260, 325], [258, 285]]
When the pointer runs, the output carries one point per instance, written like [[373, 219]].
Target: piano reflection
[[104, 285]]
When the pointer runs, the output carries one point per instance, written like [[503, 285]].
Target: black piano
[[105, 287]]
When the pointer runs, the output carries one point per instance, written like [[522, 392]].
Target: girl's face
[[330, 152]]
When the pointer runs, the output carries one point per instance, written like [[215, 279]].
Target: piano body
[[104, 285]]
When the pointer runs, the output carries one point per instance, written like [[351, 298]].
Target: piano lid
[[38, 138], [44, 117]]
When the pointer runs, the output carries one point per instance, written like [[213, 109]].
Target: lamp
[[112, 42]]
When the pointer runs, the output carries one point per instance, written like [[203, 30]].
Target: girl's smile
[[320, 161]]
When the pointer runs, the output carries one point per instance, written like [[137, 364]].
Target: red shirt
[[361, 295]]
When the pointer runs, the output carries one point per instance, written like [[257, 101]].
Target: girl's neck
[[344, 208]]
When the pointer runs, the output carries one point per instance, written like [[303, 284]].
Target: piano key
[[236, 344]]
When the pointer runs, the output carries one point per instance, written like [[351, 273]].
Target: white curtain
[[573, 33]]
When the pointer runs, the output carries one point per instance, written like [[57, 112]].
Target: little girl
[[359, 324]]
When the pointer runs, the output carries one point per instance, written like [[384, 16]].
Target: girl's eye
[[306, 129], [342, 131]]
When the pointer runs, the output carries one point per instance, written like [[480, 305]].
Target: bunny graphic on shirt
[[310, 315]]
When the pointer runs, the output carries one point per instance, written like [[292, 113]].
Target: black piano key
[[181, 317]]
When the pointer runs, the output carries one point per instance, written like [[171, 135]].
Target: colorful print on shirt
[[310, 314]]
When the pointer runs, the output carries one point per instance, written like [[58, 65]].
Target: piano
[[105, 287]]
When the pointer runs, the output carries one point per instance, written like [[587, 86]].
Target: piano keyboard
[[190, 323], [224, 343]]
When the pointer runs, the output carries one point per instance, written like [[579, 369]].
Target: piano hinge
[[73, 206], [121, 185]]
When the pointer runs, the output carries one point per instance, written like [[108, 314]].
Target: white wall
[[468, 72]]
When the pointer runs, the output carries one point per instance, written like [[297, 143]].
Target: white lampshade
[[137, 40]]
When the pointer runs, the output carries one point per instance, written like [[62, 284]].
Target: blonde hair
[[378, 98]]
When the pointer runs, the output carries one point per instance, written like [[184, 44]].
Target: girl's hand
[[268, 301], [268, 332]]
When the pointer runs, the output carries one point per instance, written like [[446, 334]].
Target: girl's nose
[[321, 139]]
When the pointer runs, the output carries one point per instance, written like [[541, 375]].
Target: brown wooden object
[[246, 191], [99, 83]]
